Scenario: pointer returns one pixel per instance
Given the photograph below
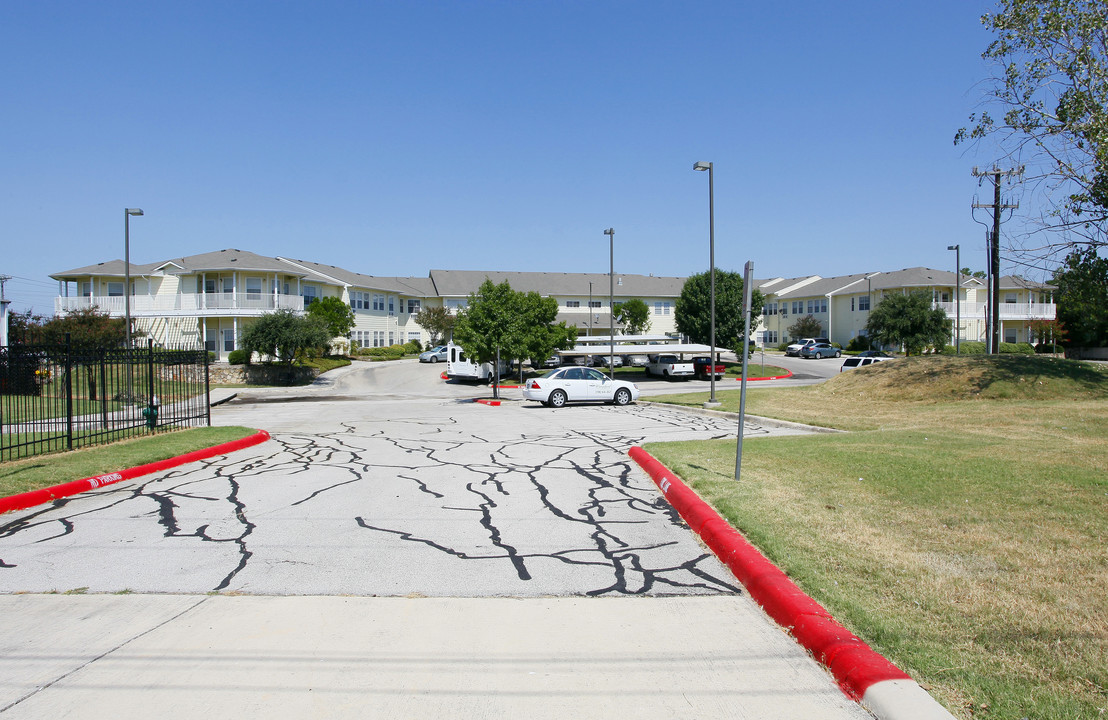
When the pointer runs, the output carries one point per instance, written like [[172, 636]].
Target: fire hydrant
[[150, 413]]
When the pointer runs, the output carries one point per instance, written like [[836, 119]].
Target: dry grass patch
[[962, 532]]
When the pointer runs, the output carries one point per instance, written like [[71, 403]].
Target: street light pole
[[611, 233], [957, 298], [712, 275], [127, 213]]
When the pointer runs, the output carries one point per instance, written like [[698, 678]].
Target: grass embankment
[[21, 476], [961, 528]]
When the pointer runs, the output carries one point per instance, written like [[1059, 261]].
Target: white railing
[[185, 304], [1008, 311]]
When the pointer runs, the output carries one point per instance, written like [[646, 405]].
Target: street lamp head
[[952, 247], [702, 166], [610, 231], [134, 211]]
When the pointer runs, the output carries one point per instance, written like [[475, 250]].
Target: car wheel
[[557, 398], [837, 354], [623, 396], [434, 359]]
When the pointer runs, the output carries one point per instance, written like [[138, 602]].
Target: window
[[378, 302], [209, 285], [771, 308], [1009, 298], [228, 340], [573, 303], [863, 302], [822, 303], [392, 306], [413, 337], [378, 338], [254, 288], [798, 307], [851, 304], [661, 307], [1010, 335], [115, 289], [85, 289], [392, 338], [209, 340], [413, 309], [309, 292], [596, 304], [359, 300]]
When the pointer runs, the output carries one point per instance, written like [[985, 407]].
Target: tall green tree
[[1051, 84], [806, 327], [500, 322], [438, 321], [634, 314], [909, 321], [1082, 298], [336, 315], [693, 315], [87, 327], [285, 335]]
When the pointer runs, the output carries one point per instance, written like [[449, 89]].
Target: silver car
[[434, 355]]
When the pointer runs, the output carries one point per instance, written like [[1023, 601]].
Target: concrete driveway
[[395, 551]]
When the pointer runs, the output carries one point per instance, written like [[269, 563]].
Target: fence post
[[207, 390], [103, 390], [68, 393], [150, 407]]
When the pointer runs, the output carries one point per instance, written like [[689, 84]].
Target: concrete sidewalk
[[140, 656]]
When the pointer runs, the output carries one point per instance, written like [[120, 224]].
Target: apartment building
[[208, 299], [842, 304]]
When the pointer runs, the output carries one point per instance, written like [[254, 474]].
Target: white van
[[460, 367]]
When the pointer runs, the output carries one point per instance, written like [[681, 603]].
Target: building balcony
[[185, 304], [1008, 311]]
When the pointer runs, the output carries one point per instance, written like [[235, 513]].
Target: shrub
[[973, 347], [1017, 349], [238, 357], [1048, 348], [949, 350], [783, 347], [858, 344]]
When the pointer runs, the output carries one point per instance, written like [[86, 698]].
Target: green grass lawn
[[46, 470], [961, 528]]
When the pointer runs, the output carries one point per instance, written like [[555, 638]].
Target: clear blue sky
[[391, 138]]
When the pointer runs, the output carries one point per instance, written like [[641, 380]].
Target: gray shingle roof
[[459, 283]]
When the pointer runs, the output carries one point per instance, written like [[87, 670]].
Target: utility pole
[[994, 247], [3, 312]]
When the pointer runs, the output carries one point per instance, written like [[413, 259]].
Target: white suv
[[799, 345]]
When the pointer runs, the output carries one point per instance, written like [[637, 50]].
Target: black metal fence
[[61, 397]]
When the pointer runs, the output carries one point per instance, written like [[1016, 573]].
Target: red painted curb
[[25, 500], [855, 665], [772, 377], [483, 401]]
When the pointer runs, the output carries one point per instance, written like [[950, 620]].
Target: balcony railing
[[1008, 311], [185, 304]]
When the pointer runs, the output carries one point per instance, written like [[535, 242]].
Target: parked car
[[796, 348], [874, 353], [578, 384], [859, 361], [553, 361], [434, 355], [635, 360], [669, 367], [703, 368], [820, 350], [602, 360]]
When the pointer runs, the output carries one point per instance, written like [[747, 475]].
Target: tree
[[1082, 296], [285, 335], [438, 321], [693, 315], [499, 322], [979, 274], [337, 316], [87, 327], [909, 321], [1053, 90], [635, 316], [806, 327]]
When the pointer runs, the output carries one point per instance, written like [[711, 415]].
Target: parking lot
[[387, 501]]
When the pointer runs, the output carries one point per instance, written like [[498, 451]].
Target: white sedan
[[578, 384]]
